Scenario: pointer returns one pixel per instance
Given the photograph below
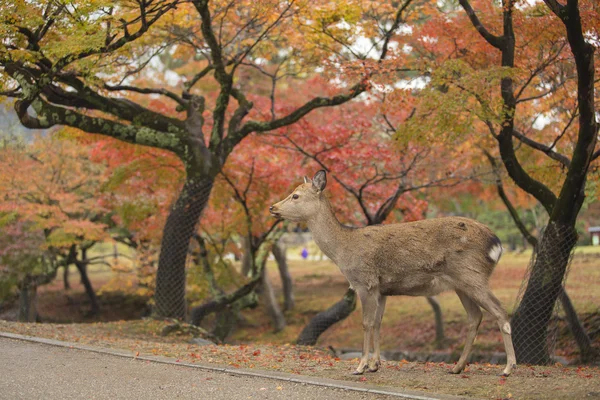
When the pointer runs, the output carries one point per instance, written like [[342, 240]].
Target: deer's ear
[[319, 181], [306, 179]]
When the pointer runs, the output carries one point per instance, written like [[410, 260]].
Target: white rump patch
[[495, 253]]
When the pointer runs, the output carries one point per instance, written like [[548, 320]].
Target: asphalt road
[[37, 371]]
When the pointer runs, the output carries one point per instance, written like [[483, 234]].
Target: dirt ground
[[479, 380], [407, 325]]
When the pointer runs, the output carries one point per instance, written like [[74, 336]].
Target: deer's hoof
[[455, 371], [507, 371], [374, 367], [357, 372]]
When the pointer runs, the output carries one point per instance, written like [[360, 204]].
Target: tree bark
[[178, 231], [439, 321], [66, 284], [586, 351], [279, 252], [28, 300], [325, 319], [226, 320], [246, 256], [245, 296], [87, 284], [270, 301], [531, 319], [581, 337]]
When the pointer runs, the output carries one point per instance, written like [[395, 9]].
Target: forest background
[[163, 130]]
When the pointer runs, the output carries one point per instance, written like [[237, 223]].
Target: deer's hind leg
[[375, 362], [474, 316], [490, 303]]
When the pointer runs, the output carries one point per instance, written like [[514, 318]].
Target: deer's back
[[424, 257]]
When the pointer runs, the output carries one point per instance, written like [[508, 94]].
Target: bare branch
[[511, 209], [388, 35], [496, 41], [163, 92], [294, 116], [543, 148], [557, 8]]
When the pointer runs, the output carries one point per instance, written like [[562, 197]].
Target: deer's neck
[[327, 231]]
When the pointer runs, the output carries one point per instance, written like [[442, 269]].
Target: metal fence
[[174, 257], [537, 310]]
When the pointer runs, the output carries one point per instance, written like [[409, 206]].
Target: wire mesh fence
[[536, 316], [169, 297]]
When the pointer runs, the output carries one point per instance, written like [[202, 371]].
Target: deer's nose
[[271, 208]]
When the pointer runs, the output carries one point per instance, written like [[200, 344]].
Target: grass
[[408, 321]]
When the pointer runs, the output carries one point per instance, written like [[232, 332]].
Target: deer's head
[[304, 202]]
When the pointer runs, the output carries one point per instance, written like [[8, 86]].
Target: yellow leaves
[[337, 12], [457, 99], [51, 184]]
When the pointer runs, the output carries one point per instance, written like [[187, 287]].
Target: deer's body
[[421, 258]]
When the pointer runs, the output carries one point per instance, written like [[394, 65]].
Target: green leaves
[[456, 98]]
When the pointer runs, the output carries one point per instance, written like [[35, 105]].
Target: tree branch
[[49, 115], [496, 41], [557, 8], [388, 35], [163, 92], [161, 9], [543, 148], [511, 209], [294, 116]]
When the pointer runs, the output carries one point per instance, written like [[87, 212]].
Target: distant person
[[304, 253]]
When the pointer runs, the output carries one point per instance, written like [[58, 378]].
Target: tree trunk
[[66, 283], [246, 256], [325, 319], [181, 223], [226, 320], [270, 301], [28, 300], [89, 290], [531, 319], [439, 321], [279, 252], [586, 351]]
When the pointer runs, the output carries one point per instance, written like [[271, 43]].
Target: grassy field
[[408, 323]]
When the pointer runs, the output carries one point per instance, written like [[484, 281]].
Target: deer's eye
[[295, 196]]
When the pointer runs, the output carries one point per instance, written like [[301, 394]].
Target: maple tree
[[249, 181], [372, 177], [49, 192], [73, 64], [532, 102]]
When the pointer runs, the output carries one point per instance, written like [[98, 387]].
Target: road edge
[[274, 375]]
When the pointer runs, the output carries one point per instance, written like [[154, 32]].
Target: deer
[[420, 258]]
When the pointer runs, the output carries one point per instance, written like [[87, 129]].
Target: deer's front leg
[[376, 361], [369, 302]]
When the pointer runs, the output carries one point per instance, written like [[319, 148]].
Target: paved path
[[36, 371], [30, 370]]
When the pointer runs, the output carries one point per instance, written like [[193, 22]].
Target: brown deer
[[421, 258]]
